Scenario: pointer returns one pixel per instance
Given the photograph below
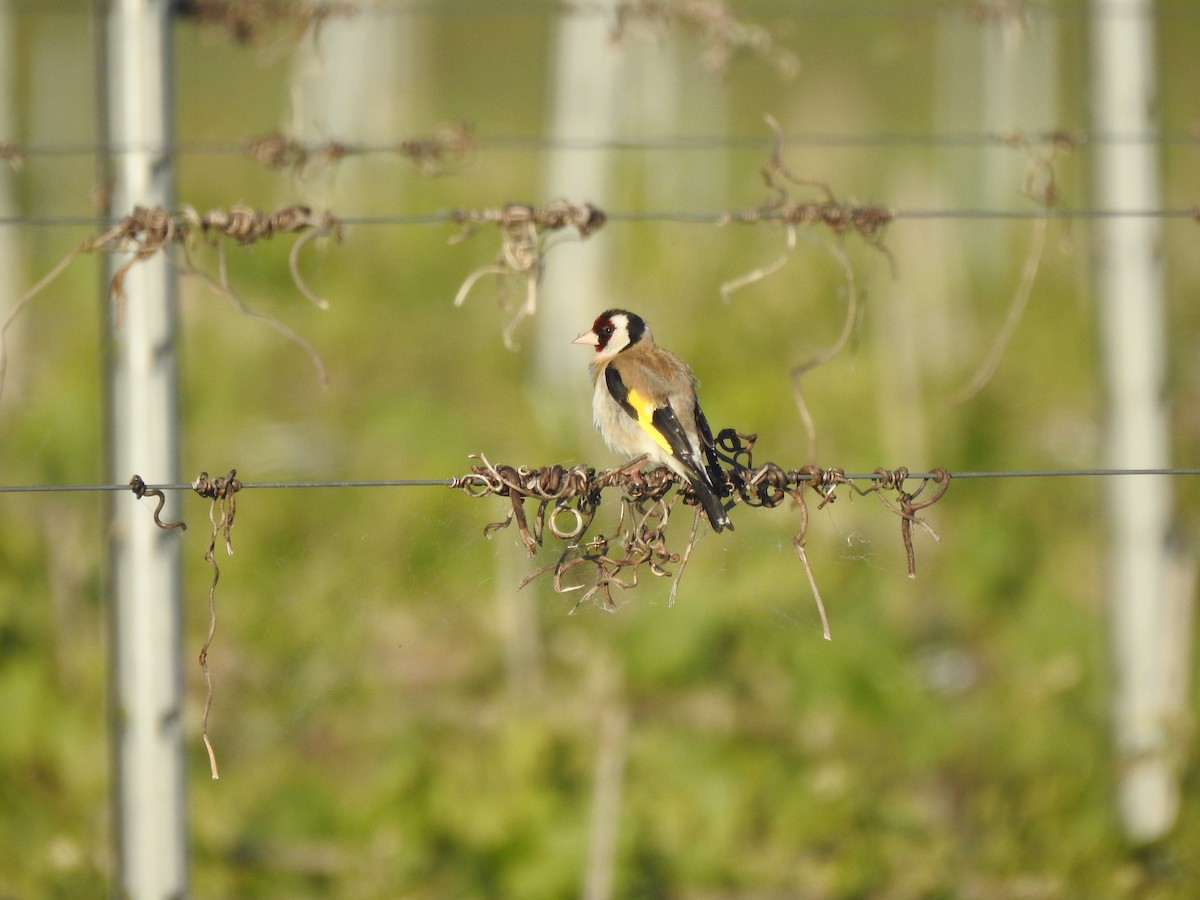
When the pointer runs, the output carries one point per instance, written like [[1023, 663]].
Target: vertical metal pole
[[147, 687], [1130, 285]]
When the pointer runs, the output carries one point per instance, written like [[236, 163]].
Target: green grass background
[[390, 718]]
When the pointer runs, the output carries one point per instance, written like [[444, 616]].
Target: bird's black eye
[[607, 330]]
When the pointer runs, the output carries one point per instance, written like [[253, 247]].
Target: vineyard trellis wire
[[699, 217], [524, 229], [985, 12], [449, 481], [639, 535], [454, 143]]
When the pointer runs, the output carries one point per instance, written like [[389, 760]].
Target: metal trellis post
[[1148, 610], [146, 684]]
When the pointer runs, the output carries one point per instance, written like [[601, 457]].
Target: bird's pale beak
[[589, 338]]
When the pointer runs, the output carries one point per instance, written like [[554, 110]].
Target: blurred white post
[[1149, 644], [608, 782], [584, 73], [586, 76], [10, 268], [360, 79], [995, 76], [146, 657]]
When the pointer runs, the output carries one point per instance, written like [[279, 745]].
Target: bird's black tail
[[712, 504]]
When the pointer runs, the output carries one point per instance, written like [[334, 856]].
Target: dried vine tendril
[[525, 239], [221, 492], [568, 499]]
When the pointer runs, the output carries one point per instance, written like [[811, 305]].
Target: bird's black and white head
[[613, 331]]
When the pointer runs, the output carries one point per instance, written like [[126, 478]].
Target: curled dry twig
[[148, 231], [525, 234], [246, 226], [868, 222], [769, 485], [905, 505], [1040, 183], [639, 538], [141, 489], [282, 152], [779, 207], [567, 503], [222, 494], [448, 147]]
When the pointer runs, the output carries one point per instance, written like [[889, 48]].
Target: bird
[[645, 404]]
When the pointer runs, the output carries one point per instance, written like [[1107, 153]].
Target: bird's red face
[[601, 334], [613, 331]]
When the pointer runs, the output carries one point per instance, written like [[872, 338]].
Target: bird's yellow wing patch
[[645, 407]]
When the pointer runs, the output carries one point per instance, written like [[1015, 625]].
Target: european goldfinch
[[644, 403]]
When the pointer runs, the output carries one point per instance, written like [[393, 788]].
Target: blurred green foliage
[[391, 718]]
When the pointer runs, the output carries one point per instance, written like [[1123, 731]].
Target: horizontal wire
[[906, 9], [724, 217], [1014, 138], [84, 488], [981, 11], [1066, 473], [452, 482]]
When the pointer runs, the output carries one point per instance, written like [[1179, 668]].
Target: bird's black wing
[[708, 446], [618, 390], [708, 493], [663, 425], [668, 425]]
